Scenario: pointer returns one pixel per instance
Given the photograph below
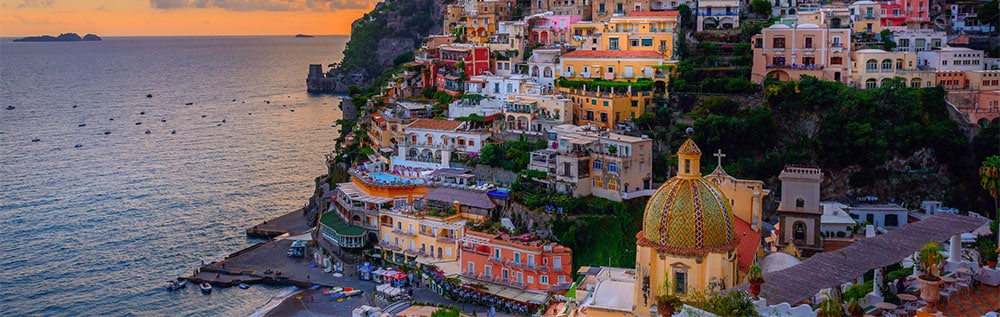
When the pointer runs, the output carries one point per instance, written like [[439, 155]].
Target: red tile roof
[[668, 13], [612, 54], [435, 124], [749, 242]]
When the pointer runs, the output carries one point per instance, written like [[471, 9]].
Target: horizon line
[[171, 35]]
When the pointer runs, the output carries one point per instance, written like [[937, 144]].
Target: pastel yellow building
[[642, 31], [873, 68], [607, 109], [866, 17], [621, 65]]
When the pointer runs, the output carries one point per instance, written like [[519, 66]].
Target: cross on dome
[[718, 154]]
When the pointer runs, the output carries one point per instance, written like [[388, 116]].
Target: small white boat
[[205, 287], [244, 286], [175, 285]]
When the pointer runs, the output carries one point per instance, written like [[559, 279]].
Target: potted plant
[[666, 304], [855, 309], [929, 258], [987, 253], [756, 277]]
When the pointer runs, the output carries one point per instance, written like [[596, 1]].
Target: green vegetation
[[642, 84], [602, 233], [512, 155], [450, 311], [762, 8]]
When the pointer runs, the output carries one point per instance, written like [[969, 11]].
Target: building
[[427, 230], [457, 60], [604, 10], [549, 29], [543, 68], [611, 107], [430, 143], [585, 162], [893, 15], [866, 17], [718, 14], [786, 53], [353, 216], [952, 59], [688, 237], [524, 262], [918, 40], [482, 16], [836, 221], [579, 8], [873, 68], [887, 216], [610, 64], [642, 31], [799, 211], [500, 86], [536, 114]]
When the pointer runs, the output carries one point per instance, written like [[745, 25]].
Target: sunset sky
[[179, 17]]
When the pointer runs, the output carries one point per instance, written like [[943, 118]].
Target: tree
[[989, 178], [684, 11], [989, 13], [761, 7], [887, 43]]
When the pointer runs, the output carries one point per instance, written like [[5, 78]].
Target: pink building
[[916, 12], [893, 14], [786, 53], [552, 29], [523, 262]]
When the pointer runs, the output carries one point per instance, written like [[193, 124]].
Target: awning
[[333, 221]]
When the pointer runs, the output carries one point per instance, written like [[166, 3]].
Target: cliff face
[[393, 28]]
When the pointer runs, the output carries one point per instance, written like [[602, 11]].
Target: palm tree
[[989, 178]]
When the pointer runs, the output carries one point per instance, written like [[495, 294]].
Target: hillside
[[391, 29]]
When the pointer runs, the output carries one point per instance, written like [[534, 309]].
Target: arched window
[[915, 83], [871, 83], [887, 64], [871, 65], [598, 165], [612, 167], [800, 203], [799, 231], [547, 72]]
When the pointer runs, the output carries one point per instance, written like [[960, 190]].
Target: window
[[604, 116], [611, 69], [647, 42], [544, 279], [633, 42], [598, 165], [687, 166], [887, 64], [870, 83], [778, 42], [809, 42], [496, 253], [870, 218], [836, 60], [680, 282], [612, 167], [871, 65], [472, 268], [561, 279], [605, 103], [613, 44], [531, 279], [758, 43], [517, 257], [800, 203], [488, 270]]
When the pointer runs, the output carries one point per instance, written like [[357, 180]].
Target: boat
[[107, 132], [352, 292], [149, 95], [142, 113], [78, 146], [82, 125], [173, 131], [148, 132], [205, 287], [175, 285], [244, 286], [35, 140], [10, 107], [189, 103]]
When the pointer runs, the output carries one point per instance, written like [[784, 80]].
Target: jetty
[[290, 223]]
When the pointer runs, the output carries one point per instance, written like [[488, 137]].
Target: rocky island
[[65, 37]]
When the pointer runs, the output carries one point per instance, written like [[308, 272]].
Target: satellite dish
[[689, 131]]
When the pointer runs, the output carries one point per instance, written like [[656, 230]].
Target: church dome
[[688, 215]]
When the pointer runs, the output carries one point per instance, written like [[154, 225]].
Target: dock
[[264, 263], [291, 223]]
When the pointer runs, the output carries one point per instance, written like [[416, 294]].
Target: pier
[[290, 223]]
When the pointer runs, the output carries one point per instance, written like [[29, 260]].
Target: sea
[[106, 194]]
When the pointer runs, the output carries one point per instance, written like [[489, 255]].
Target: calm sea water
[[93, 223]]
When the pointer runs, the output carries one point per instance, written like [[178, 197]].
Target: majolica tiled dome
[[688, 215]]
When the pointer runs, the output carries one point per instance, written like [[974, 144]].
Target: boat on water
[[10, 107], [205, 287], [175, 285], [244, 286]]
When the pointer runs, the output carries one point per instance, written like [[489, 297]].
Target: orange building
[[524, 262]]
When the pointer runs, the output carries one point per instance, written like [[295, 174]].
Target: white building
[[952, 59], [500, 87], [835, 219], [718, 14], [536, 114], [918, 40], [542, 68], [887, 216], [430, 143], [468, 106]]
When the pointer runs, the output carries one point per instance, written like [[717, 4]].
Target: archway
[[779, 75]]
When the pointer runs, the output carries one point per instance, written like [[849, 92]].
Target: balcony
[[428, 234], [394, 247], [445, 239], [495, 260], [567, 74], [585, 74]]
